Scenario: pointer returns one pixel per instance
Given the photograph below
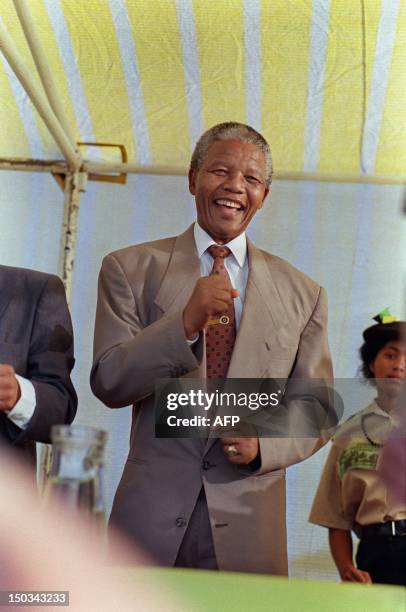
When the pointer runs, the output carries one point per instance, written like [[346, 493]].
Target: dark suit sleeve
[[49, 363]]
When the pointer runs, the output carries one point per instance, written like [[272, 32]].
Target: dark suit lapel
[[5, 291]]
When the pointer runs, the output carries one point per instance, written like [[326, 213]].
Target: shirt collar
[[374, 407], [238, 245], [393, 417]]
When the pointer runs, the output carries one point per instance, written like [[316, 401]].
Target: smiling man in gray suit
[[208, 503], [36, 358]]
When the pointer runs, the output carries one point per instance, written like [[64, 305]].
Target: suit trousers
[[197, 548]]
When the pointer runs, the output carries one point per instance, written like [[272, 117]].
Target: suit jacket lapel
[[181, 275], [263, 315], [262, 320], [175, 290], [262, 330], [5, 291]]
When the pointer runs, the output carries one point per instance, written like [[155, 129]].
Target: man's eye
[[219, 171], [390, 355], [252, 179]]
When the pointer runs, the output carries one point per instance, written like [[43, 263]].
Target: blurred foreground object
[[39, 551], [393, 464], [45, 550]]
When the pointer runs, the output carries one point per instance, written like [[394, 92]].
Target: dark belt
[[390, 528]]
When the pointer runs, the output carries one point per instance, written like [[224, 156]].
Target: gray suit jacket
[[36, 339], [139, 337]]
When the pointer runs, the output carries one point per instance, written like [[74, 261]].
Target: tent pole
[[38, 98], [59, 167], [34, 165], [73, 186], [38, 54], [323, 177]]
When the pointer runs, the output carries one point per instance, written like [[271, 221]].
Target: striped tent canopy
[[324, 80]]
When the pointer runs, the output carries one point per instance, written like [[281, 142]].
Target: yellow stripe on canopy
[[10, 120], [96, 49], [391, 155], [12, 24], [285, 34], [343, 85], [220, 44], [160, 63]]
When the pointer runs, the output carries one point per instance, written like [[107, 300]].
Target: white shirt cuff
[[24, 408], [193, 340]]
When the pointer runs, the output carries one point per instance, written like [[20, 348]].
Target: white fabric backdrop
[[350, 238]]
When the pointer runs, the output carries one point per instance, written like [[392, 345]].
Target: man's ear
[[264, 198], [192, 182]]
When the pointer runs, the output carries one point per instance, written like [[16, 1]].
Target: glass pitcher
[[76, 475]]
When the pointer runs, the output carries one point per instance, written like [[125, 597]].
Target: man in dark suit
[[36, 358], [164, 308]]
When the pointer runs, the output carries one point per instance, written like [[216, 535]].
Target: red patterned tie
[[220, 333]]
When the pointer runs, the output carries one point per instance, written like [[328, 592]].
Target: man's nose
[[234, 182]]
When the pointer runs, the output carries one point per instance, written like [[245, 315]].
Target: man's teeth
[[228, 204]]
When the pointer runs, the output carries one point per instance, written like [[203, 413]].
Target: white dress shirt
[[236, 264]]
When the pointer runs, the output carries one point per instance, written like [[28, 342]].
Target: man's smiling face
[[229, 188]]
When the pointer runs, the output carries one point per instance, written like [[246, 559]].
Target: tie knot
[[219, 251]]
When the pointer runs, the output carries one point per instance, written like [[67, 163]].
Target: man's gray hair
[[231, 130]]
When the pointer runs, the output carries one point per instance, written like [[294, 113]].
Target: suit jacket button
[[180, 522], [206, 465]]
